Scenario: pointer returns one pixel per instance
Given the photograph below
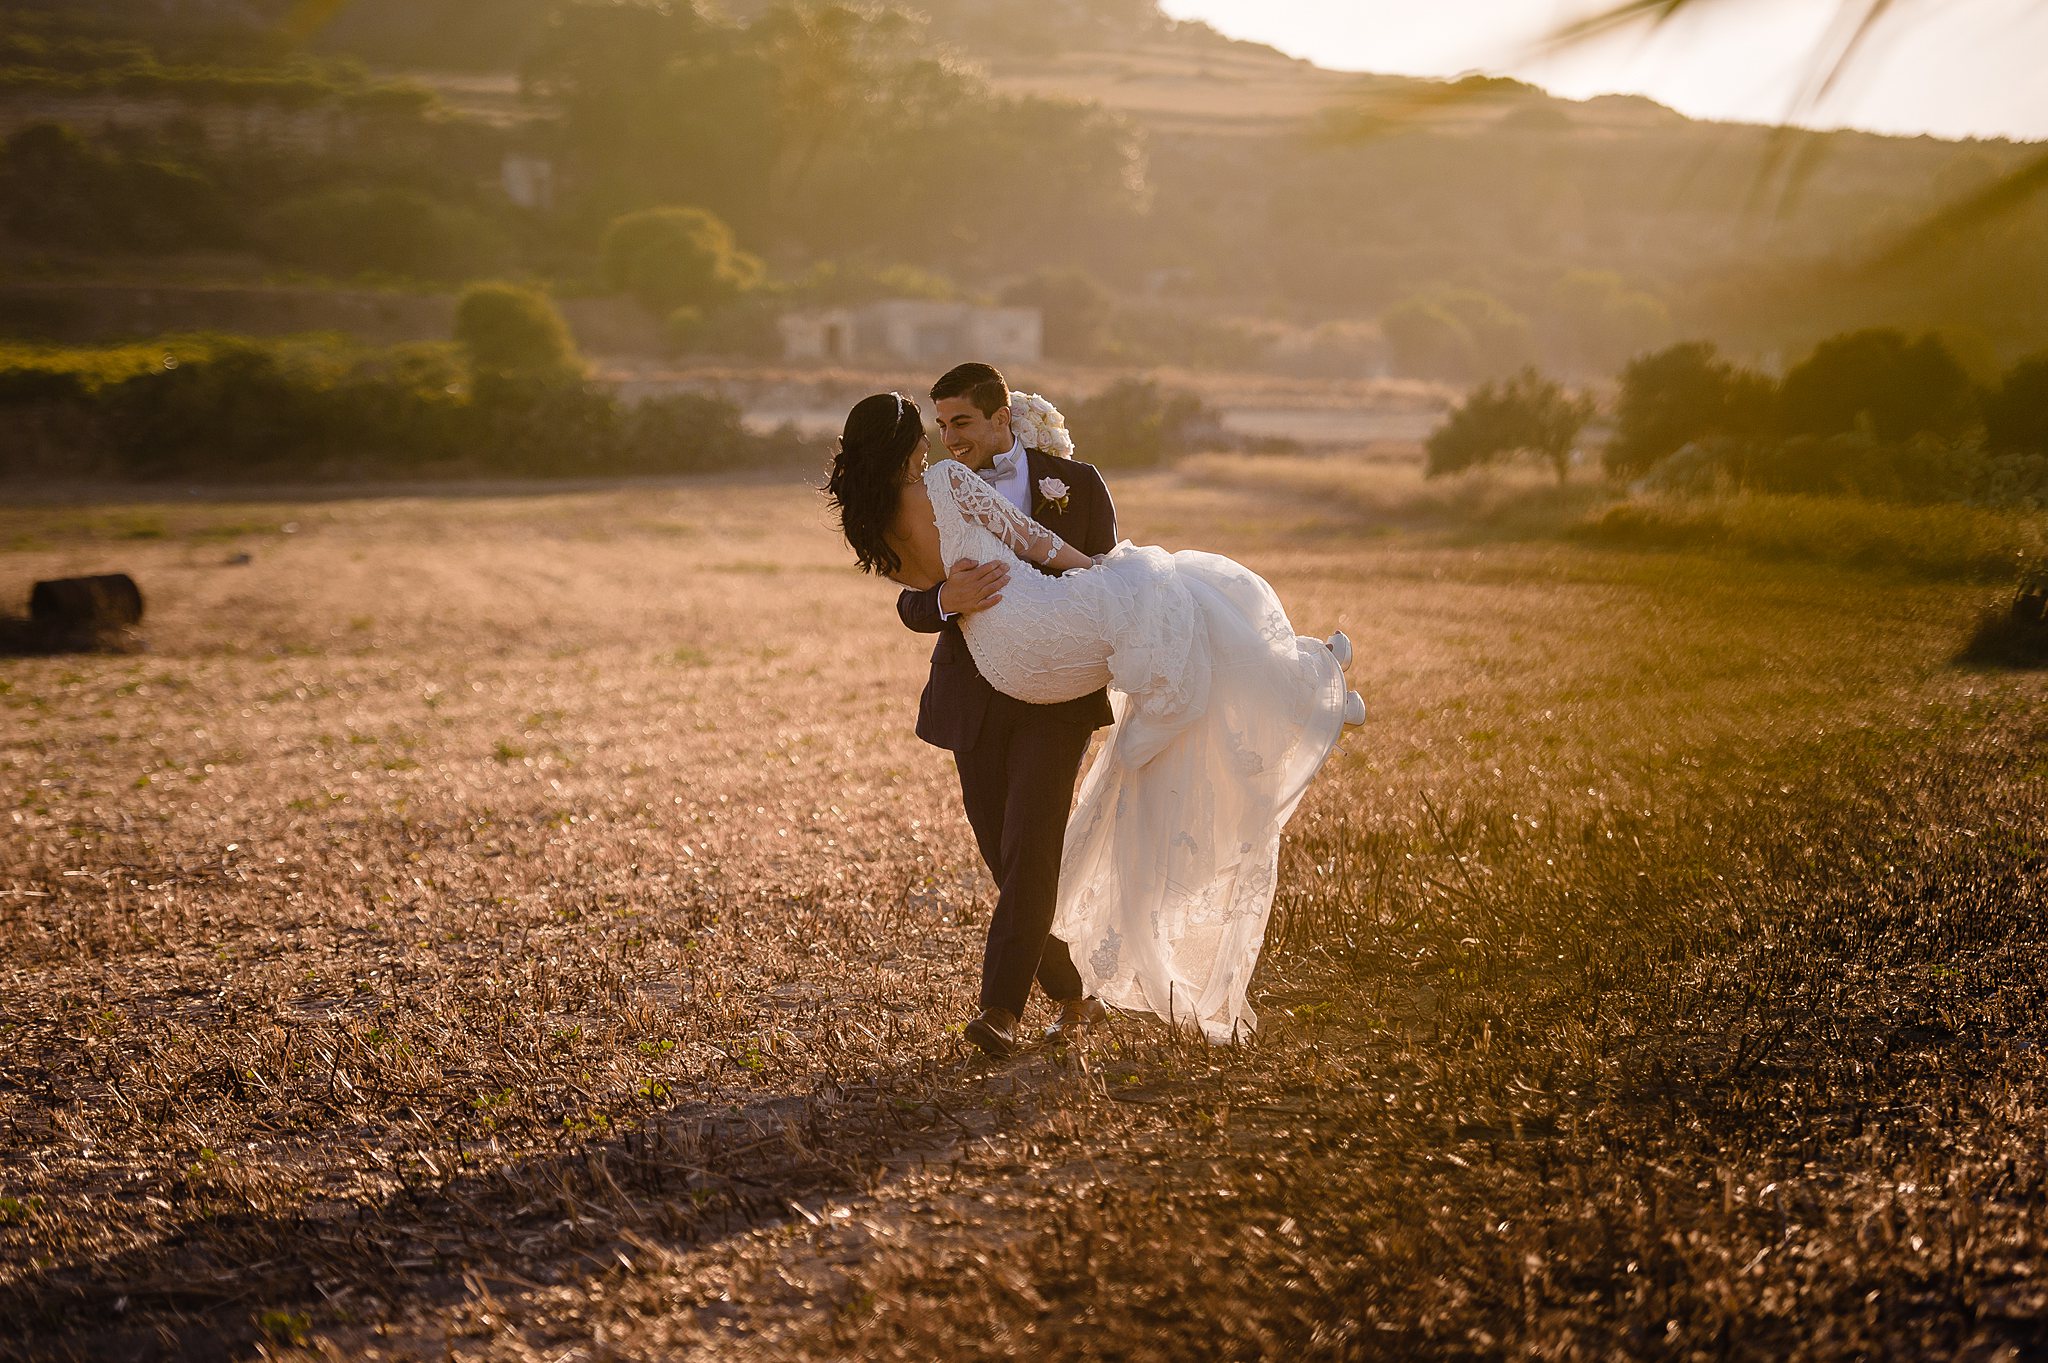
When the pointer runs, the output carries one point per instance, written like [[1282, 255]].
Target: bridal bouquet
[[1039, 425]]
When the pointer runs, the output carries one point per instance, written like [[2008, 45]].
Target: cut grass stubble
[[1657, 976]]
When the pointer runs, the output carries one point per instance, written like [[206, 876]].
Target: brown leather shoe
[[1075, 1016], [994, 1030]]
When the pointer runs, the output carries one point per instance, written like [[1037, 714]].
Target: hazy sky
[[1956, 68]]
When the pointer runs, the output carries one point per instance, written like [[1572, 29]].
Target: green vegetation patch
[[1940, 542]]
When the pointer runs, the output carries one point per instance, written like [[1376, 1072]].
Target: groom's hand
[[972, 587]]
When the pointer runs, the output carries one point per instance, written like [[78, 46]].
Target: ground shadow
[[21, 637], [692, 1175]]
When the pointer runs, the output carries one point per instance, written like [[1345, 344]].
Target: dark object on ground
[[2016, 636], [109, 601], [77, 613]]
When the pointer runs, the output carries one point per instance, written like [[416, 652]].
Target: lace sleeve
[[984, 506]]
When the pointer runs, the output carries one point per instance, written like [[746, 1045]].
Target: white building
[[527, 180], [916, 331]]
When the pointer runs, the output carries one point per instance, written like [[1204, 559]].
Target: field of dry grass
[[524, 927]]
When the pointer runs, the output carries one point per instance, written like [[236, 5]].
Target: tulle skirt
[[1224, 715]]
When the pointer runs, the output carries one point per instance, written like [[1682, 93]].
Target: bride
[[1223, 714]]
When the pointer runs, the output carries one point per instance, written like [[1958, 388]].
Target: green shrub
[[1678, 396], [1923, 469], [543, 423], [1526, 414], [2016, 412], [247, 405], [1942, 542], [688, 433], [403, 407], [509, 330], [350, 231], [37, 386], [2011, 480], [1877, 380], [670, 258], [232, 407], [92, 368], [1135, 423], [59, 189]]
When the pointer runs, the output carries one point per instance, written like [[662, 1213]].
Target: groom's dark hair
[[981, 384]]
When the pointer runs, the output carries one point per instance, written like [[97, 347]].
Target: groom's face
[[971, 437]]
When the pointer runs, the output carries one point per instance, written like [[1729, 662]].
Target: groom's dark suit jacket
[[957, 696]]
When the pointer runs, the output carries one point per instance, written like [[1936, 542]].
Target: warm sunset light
[[1966, 69], [1087, 681]]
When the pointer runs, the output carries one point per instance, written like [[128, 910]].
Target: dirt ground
[[523, 925]]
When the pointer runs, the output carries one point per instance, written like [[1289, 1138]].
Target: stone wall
[[91, 313], [327, 128]]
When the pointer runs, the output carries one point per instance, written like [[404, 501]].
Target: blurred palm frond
[[1846, 39], [2002, 196], [1793, 153], [308, 17]]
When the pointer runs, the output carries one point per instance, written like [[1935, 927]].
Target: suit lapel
[[1045, 513]]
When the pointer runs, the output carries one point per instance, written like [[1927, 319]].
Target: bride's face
[[914, 466]]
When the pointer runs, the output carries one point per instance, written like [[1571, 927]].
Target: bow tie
[[1005, 463]]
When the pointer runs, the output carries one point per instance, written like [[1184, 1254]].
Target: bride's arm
[[1025, 537], [1065, 557]]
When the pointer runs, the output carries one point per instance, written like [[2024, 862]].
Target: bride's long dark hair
[[867, 475]]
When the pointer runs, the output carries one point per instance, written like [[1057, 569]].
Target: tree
[[2016, 412], [820, 126], [349, 230], [1678, 395], [1525, 413], [58, 188], [658, 105], [1880, 380], [511, 332], [673, 258], [1427, 341], [1135, 422]]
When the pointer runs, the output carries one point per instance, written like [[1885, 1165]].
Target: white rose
[[1052, 489]]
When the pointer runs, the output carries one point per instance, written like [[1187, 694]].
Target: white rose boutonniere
[[1054, 493]]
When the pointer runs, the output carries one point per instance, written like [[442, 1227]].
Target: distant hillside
[[1205, 179]]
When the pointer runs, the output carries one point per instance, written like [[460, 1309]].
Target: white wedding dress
[[1223, 715]]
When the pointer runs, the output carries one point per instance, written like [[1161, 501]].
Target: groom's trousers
[[1017, 782]]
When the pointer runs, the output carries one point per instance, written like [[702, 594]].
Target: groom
[[1017, 762]]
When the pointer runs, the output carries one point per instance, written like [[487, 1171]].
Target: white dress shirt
[[1010, 475]]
